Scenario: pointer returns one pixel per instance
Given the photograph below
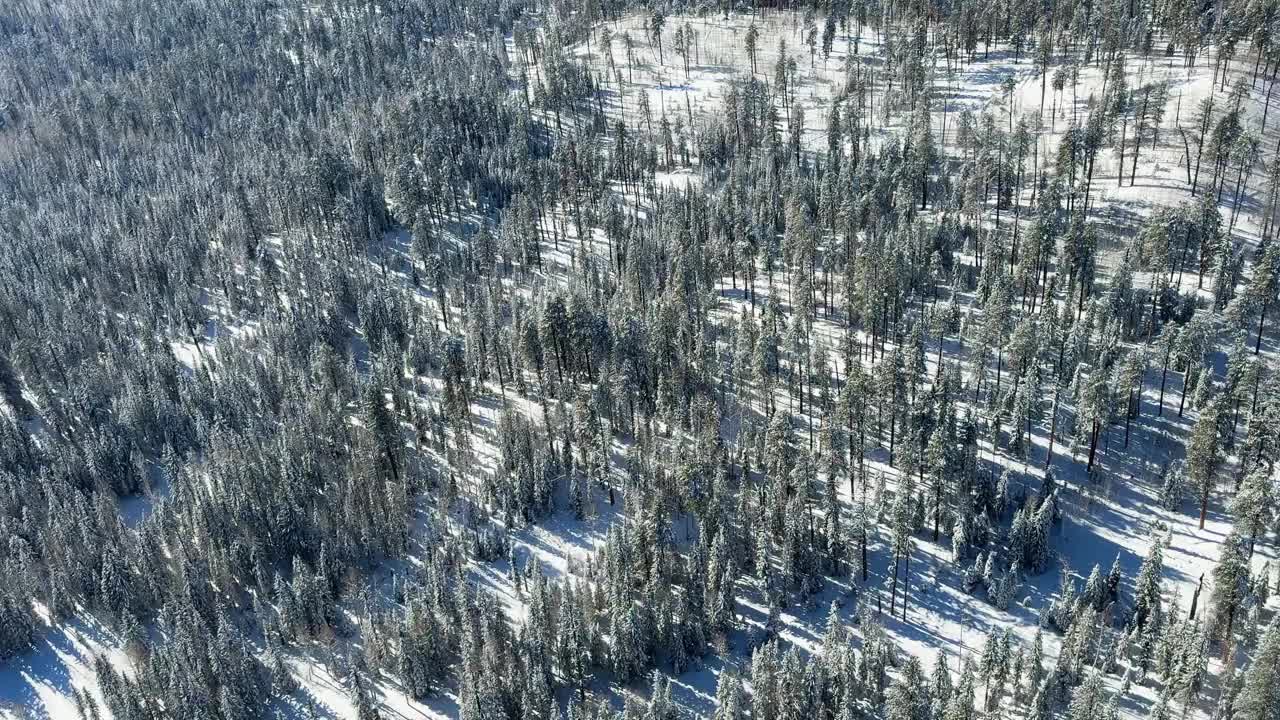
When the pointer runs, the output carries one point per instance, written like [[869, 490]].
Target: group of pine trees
[[290, 293]]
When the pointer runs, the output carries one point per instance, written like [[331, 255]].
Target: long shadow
[[47, 669]]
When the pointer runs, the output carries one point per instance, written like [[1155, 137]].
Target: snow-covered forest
[[590, 359]]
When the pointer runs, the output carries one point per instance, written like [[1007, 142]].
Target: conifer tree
[[1203, 456], [1230, 589], [1259, 697]]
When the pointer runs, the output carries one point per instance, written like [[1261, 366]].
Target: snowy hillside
[[586, 360]]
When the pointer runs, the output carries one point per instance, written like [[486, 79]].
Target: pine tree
[[1095, 590], [1261, 291], [1146, 593], [657, 21], [1035, 663], [906, 699], [940, 686], [901, 537], [1088, 699], [731, 702], [1114, 576], [1259, 697], [17, 626], [961, 705], [994, 658], [1253, 506], [1203, 456], [1230, 589], [764, 681], [366, 705], [660, 705]]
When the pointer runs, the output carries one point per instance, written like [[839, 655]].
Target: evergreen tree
[[1230, 589], [1203, 456], [1259, 697]]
